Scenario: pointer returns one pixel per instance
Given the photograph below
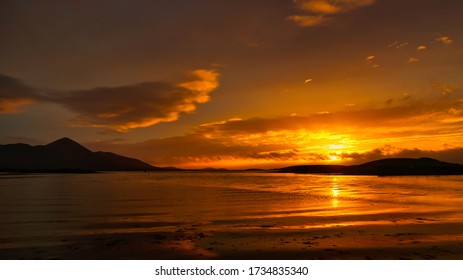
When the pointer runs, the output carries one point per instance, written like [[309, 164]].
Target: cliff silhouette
[[383, 167], [64, 155]]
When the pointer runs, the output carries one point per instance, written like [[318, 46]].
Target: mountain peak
[[64, 154], [67, 144], [64, 140]]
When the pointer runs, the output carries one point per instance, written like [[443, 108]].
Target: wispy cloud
[[331, 6], [444, 40], [444, 88], [421, 48], [398, 45], [308, 21], [412, 60], [371, 60], [318, 6], [317, 12]]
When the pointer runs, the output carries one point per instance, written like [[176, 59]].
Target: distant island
[[66, 155], [383, 167]]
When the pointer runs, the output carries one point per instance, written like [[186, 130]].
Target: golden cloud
[[307, 21], [318, 6], [444, 40], [349, 136], [331, 6], [204, 82], [320, 9]]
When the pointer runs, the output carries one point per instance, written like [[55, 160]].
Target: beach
[[420, 240], [230, 216]]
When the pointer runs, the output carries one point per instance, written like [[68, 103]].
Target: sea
[[37, 208]]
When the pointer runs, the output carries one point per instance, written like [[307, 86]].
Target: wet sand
[[424, 239]]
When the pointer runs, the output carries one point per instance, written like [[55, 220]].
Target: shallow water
[[39, 207]]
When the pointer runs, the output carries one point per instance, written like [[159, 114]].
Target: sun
[[334, 158]]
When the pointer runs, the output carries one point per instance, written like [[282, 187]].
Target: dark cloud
[[126, 107], [14, 94], [118, 108], [141, 105]]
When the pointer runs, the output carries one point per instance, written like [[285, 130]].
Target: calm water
[[37, 207]]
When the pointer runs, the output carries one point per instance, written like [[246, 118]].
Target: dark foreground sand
[[419, 240]]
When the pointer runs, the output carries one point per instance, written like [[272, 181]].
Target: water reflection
[[335, 192], [132, 202]]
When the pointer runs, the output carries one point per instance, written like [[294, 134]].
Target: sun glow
[[334, 158], [268, 143], [336, 146]]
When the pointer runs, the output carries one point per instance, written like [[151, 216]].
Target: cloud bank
[[394, 130]]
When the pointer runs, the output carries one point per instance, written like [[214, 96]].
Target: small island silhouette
[[383, 167]]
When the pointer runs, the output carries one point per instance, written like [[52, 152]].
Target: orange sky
[[236, 84]]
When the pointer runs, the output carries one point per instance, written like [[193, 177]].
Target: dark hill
[[64, 155], [67, 145], [383, 167]]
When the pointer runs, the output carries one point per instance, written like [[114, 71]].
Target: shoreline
[[421, 241]]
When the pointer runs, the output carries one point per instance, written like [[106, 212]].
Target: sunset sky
[[236, 83]]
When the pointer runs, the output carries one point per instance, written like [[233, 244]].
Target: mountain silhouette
[[383, 167], [64, 155]]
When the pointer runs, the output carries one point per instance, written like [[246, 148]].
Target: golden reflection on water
[[335, 191]]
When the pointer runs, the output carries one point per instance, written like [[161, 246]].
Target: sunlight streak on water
[[335, 191]]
